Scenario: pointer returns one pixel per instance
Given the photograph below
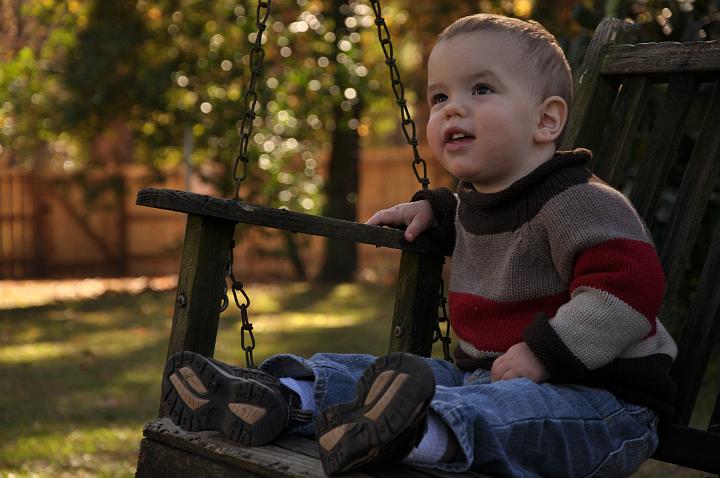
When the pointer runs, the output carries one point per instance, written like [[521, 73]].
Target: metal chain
[[257, 55], [419, 164], [246, 328], [443, 318]]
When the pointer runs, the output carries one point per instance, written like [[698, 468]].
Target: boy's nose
[[455, 108]]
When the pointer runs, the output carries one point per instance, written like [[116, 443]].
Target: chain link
[[257, 55], [224, 301], [408, 125], [443, 318], [246, 329]]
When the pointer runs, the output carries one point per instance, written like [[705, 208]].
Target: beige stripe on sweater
[[605, 214], [521, 265], [597, 326]]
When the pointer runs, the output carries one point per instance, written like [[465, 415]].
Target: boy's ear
[[552, 115]]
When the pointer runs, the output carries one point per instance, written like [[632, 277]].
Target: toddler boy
[[562, 365]]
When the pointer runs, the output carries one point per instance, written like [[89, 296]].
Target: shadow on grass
[[59, 321], [72, 372], [310, 318], [306, 297]]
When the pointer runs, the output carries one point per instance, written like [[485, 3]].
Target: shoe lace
[[303, 416], [297, 414]]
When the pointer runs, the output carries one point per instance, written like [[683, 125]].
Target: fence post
[[40, 233]]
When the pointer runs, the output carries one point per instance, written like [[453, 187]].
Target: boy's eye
[[481, 90], [438, 98]]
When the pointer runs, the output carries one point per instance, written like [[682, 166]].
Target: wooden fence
[[48, 228]]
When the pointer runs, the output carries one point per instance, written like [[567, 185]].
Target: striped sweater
[[562, 261]]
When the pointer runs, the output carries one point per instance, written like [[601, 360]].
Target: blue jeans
[[513, 427]]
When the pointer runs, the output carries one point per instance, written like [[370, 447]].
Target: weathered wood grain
[[238, 211], [200, 285], [169, 451], [269, 460], [594, 95], [309, 447], [158, 460], [662, 147], [694, 193], [306, 446], [652, 59], [609, 162], [416, 303]]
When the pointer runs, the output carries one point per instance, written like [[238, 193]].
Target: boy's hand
[[417, 216], [518, 361]]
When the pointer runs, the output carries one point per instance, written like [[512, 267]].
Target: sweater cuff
[[548, 347], [444, 207]]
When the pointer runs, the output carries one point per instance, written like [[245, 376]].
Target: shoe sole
[[391, 397], [198, 396]]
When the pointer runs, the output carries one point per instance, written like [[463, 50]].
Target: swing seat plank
[[247, 213], [167, 450]]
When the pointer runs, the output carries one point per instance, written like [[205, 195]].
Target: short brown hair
[[546, 59]]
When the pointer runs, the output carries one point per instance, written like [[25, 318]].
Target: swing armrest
[[247, 213]]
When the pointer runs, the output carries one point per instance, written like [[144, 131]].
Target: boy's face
[[483, 110]]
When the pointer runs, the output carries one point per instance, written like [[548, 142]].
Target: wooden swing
[[611, 91]]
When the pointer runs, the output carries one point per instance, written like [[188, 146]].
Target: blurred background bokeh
[[99, 99]]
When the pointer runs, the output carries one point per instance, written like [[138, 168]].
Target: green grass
[[79, 378]]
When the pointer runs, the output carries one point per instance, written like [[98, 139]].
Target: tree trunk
[[341, 186], [341, 197], [293, 252]]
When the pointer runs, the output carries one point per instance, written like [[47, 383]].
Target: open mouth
[[458, 137]]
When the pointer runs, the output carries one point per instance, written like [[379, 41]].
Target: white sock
[[304, 389], [434, 443]]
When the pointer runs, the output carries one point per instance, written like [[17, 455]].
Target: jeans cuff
[[294, 366], [458, 428]]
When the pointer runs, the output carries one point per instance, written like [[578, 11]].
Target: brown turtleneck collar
[[562, 160]]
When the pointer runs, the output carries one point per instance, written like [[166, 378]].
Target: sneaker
[[248, 406], [386, 420]]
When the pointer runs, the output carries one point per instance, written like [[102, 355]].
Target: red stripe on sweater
[[628, 269], [495, 326]]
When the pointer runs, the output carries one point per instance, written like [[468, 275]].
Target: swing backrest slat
[[662, 145], [624, 120], [659, 59]]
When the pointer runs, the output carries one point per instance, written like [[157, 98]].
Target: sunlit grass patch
[[34, 351], [100, 451], [287, 322], [25, 294], [305, 318]]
